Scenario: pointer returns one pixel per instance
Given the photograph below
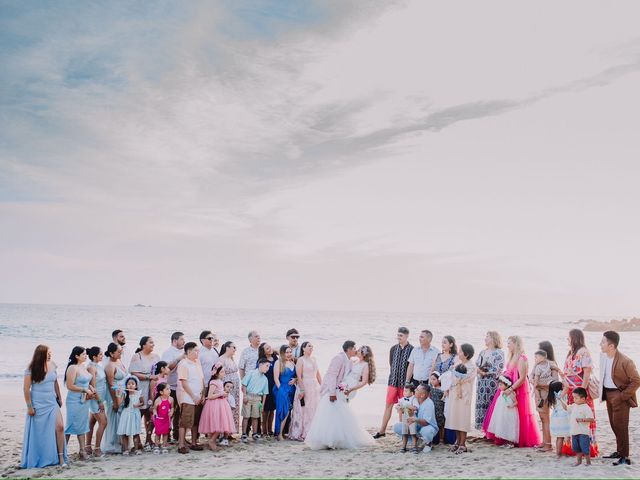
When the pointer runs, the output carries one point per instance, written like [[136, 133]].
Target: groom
[[339, 367]]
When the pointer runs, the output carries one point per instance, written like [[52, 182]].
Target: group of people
[[432, 390], [117, 396]]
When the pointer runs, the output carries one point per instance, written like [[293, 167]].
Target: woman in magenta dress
[[577, 372], [307, 393], [516, 369]]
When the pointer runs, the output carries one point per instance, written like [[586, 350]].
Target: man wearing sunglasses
[[293, 338], [208, 354]]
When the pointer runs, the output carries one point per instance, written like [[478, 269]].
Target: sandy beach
[[271, 459]]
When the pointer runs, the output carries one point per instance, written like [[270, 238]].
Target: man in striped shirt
[[398, 364]]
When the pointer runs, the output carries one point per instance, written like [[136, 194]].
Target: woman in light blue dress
[[284, 389], [96, 405], [43, 443], [79, 392], [115, 374]]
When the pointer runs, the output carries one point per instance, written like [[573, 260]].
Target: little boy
[[255, 388], [228, 389], [407, 406], [580, 418], [544, 372]]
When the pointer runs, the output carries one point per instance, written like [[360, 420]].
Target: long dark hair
[[93, 352], [547, 347], [452, 341], [224, 347], [126, 395], [143, 342], [262, 354], [577, 341], [72, 359], [157, 368], [38, 365]]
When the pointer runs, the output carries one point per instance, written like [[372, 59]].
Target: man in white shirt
[[421, 359], [208, 354], [173, 356], [190, 395]]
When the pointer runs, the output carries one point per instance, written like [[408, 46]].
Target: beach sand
[[272, 459]]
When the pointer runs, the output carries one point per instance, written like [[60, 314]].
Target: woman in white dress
[[335, 425]]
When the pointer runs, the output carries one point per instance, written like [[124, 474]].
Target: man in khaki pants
[[619, 380]]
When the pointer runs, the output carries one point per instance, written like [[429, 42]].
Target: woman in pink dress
[[217, 418], [577, 372], [516, 369], [307, 393]]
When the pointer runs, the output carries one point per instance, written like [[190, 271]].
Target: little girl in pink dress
[[216, 418], [162, 413]]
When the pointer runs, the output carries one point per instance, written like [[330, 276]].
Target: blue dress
[[77, 408], [110, 440], [101, 387], [130, 418], [39, 447], [283, 397]]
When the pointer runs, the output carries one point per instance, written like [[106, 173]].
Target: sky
[[478, 157]]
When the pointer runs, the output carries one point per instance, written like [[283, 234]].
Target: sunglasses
[[295, 336], [210, 338]]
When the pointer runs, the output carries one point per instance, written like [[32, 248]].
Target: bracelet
[[29, 405]]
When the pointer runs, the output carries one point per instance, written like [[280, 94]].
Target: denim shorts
[[580, 443]]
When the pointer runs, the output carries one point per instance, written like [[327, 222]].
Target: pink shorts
[[394, 394]]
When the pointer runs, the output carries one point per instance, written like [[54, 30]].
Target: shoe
[[427, 448], [612, 455], [156, 451], [148, 447], [244, 438], [164, 451], [183, 450], [256, 437], [224, 442], [196, 447], [622, 461], [379, 435]]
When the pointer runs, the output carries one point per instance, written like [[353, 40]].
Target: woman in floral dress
[[490, 364], [231, 374]]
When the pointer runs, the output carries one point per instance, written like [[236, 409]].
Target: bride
[[334, 424]]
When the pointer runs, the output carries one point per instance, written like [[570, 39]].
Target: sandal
[[164, 450], [126, 452], [98, 453], [454, 447], [63, 464], [461, 450], [156, 451]]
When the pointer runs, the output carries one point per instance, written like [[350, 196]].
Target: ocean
[[23, 327]]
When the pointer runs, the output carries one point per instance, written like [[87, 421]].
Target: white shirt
[[208, 358], [169, 356], [422, 362], [579, 411], [192, 373], [608, 379]]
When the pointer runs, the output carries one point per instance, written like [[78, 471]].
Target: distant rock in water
[[141, 305], [624, 325]]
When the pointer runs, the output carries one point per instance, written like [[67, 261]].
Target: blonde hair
[[519, 350], [495, 338], [367, 356]]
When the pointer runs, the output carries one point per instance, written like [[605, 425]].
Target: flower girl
[[505, 423]]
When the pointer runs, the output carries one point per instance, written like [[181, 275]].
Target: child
[[228, 389], [580, 418], [544, 372], [459, 372], [161, 370], [162, 414], [407, 407], [216, 418], [559, 421], [130, 418], [505, 423], [438, 401], [255, 388]]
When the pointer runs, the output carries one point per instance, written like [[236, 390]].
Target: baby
[[407, 407], [459, 372], [544, 372]]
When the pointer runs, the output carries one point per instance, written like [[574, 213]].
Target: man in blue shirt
[[425, 418]]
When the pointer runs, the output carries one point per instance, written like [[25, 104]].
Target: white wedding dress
[[335, 425]]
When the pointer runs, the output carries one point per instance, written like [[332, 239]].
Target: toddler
[[130, 418], [543, 373], [162, 414], [580, 418], [505, 422], [407, 407], [559, 421]]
